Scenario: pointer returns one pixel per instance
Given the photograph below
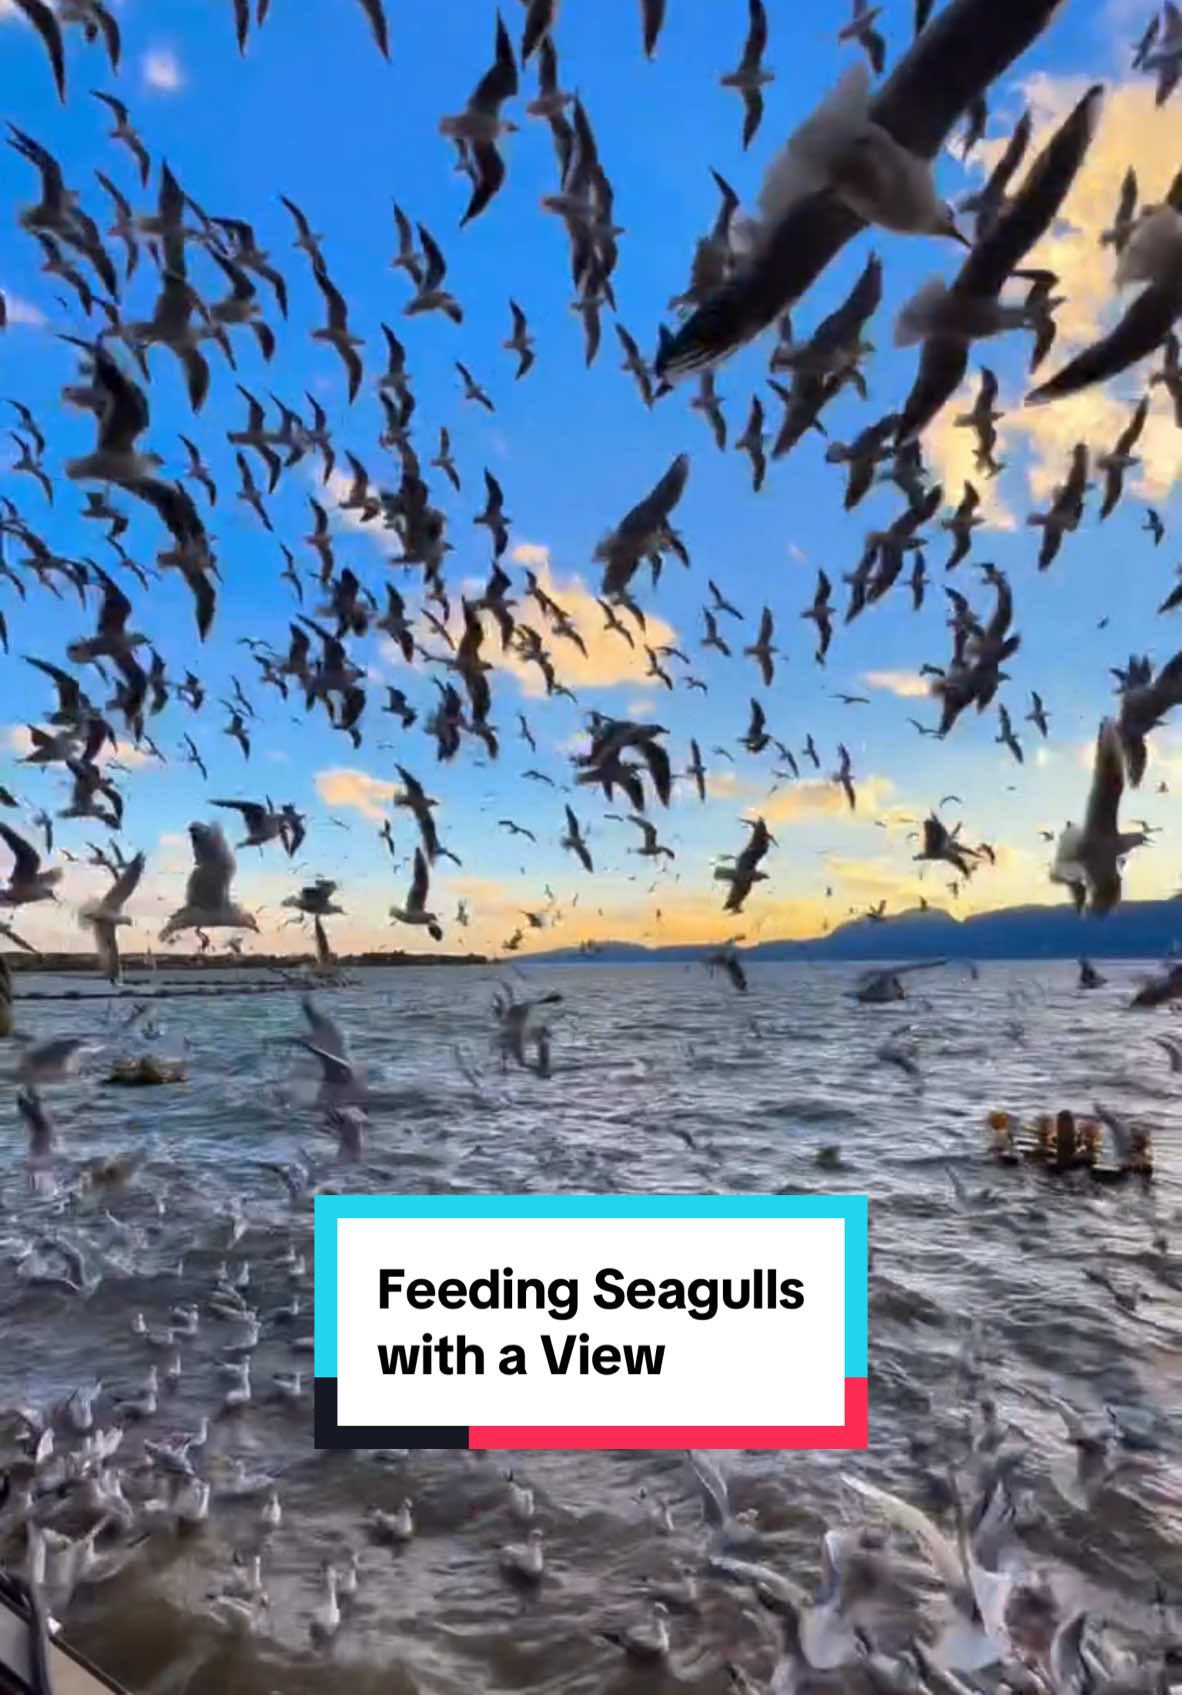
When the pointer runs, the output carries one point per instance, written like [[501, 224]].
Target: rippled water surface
[[664, 1079]]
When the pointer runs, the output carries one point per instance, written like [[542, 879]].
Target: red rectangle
[[854, 1433]]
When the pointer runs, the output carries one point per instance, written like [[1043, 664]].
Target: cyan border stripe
[[328, 1210]]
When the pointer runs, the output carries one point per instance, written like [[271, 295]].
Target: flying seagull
[[207, 904]]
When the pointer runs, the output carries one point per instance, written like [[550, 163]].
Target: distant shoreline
[[1148, 929], [143, 967]]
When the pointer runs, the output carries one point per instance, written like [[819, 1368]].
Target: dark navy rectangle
[[328, 1433]]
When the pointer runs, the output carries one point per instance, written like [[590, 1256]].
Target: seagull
[[1088, 859], [480, 125], [940, 843], [753, 442], [844, 776], [1006, 736], [122, 411], [431, 295], [652, 848], [861, 29], [750, 77], [947, 318], [326, 1620], [27, 882], [756, 736], [44, 20], [307, 241], [728, 1529], [105, 915], [415, 910], [1117, 235], [745, 873], [635, 364], [207, 903], [1122, 458], [646, 1644], [1164, 54], [990, 201], [263, 823], [524, 1564], [472, 389], [54, 1061], [39, 1125], [696, 770], [314, 901], [575, 842], [727, 960], [842, 148], [961, 526], [761, 650], [336, 332], [1144, 702], [821, 614], [112, 639], [520, 342], [709, 404], [1152, 256]]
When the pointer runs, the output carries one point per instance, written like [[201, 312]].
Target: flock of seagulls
[[206, 294], [859, 159], [96, 1487]]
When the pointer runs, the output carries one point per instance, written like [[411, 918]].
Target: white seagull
[[1088, 859], [207, 894], [415, 910], [104, 917]]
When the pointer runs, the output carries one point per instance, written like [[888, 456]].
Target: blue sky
[[312, 111]]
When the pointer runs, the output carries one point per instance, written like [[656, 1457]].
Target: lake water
[[663, 1079]]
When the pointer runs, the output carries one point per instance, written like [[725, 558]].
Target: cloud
[[531, 553], [907, 685], [1132, 132], [950, 449], [162, 71], [817, 797], [722, 785], [22, 312], [876, 879], [344, 786], [126, 753], [609, 662]]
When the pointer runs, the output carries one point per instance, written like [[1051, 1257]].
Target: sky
[[312, 111]]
